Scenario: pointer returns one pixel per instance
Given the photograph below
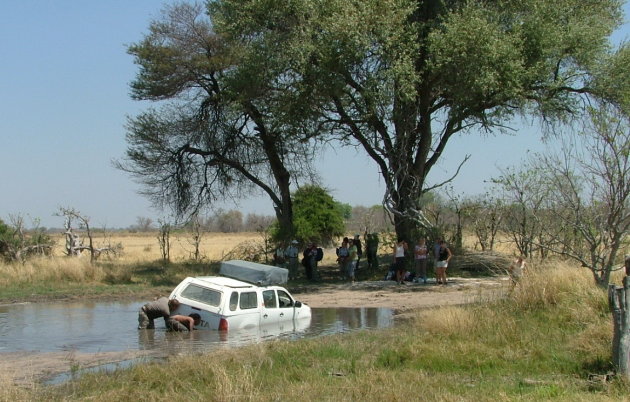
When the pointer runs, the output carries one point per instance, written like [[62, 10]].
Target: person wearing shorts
[[444, 256], [399, 260]]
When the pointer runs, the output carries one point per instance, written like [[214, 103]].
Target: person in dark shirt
[[357, 243], [444, 256]]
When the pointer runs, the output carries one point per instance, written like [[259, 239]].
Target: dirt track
[[403, 297]]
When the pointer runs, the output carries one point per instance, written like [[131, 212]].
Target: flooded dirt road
[[43, 340]]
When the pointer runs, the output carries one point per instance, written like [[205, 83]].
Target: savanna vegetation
[[549, 340], [248, 91]]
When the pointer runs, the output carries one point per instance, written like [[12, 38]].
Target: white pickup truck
[[224, 302]]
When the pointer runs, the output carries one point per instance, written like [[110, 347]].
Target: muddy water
[[97, 327]]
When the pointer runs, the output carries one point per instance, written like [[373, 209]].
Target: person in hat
[[291, 254]]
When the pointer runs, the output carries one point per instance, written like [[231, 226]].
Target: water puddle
[[98, 327]]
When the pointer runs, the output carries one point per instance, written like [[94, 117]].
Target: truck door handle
[[265, 316], [281, 314]]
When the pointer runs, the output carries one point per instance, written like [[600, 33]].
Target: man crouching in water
[[180, 323], [161, 307]]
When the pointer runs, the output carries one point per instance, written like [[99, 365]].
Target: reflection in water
[[92, 327]]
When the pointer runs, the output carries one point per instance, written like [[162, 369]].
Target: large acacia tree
[[221, 131], [402, 78]]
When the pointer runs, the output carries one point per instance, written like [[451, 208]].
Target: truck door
[[270, 313], [287, 311]]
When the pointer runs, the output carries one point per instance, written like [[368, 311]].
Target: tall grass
[[546, 340], [50, 270], [138, 267]]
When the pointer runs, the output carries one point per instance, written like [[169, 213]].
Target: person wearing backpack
[[311, 255]]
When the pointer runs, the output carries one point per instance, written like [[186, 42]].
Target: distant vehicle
[[252, 300]]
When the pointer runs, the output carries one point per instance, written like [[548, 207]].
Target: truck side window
[[285, 299], [233, 301], [269, 297], [248, 300]]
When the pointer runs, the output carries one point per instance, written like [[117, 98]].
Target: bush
[[16, 244]]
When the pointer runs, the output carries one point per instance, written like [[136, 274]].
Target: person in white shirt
[[291, 254]]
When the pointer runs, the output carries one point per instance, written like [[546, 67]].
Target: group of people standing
[[348, 257], [289, 258], [441, 255], [351, 250]]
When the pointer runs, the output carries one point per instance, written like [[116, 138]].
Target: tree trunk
[[404, 228], [619, 299]]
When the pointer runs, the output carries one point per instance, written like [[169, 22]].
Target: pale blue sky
[[64, 98]]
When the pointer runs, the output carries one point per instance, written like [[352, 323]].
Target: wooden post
[[619, 301]]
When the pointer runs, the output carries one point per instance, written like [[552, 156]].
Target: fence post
[[619, 302]]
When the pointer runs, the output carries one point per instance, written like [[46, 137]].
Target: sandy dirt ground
[[403, 298], [28, 368]]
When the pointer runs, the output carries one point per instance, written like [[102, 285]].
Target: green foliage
[[346, 210], [316, 215], [16, 243], [400, 78], [227, 131], [613, 79], [7, 236]]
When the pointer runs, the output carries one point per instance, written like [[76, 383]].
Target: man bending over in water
[[180, 323]]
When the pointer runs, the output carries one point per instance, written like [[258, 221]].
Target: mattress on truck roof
[[253, 272]]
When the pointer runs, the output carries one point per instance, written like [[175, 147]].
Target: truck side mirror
[[297, 304]]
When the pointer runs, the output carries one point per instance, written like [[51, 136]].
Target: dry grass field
[[140, 247], [140, 265], [144, 246]]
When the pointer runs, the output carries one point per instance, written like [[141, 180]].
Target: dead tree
[[164, 238], [619, 301], [74, 243]]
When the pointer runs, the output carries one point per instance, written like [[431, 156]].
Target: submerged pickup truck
[[245, 296]]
